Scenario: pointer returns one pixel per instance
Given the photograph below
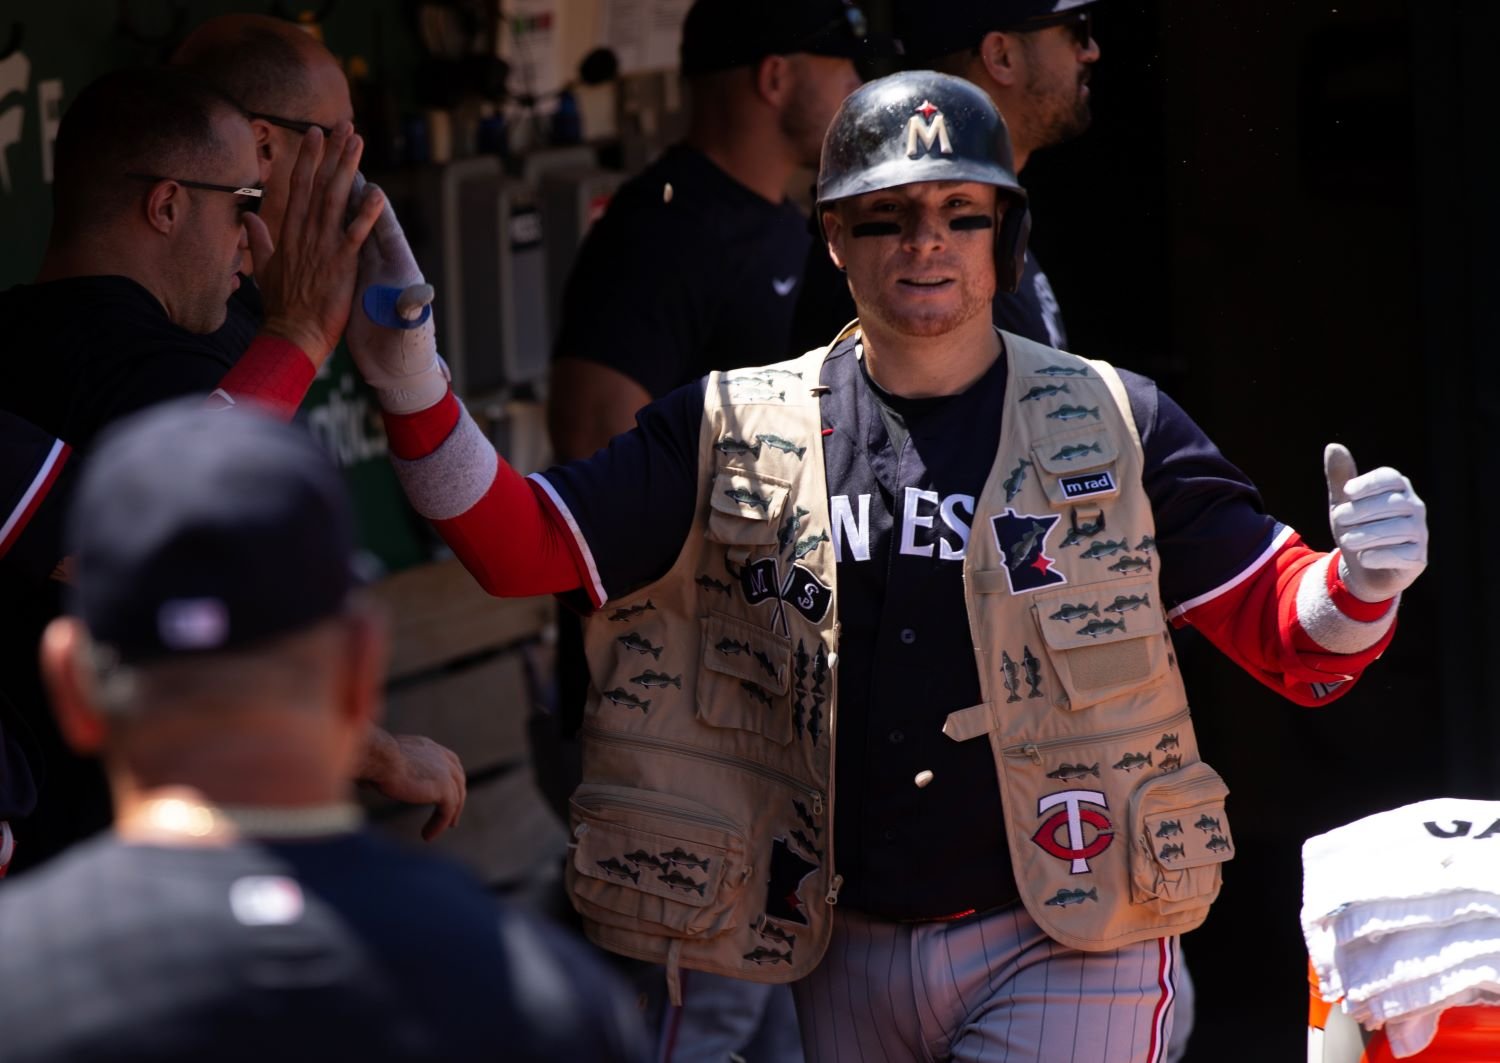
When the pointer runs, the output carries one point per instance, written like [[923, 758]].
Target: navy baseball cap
[[195, 530], [721, 34], [929, 29]]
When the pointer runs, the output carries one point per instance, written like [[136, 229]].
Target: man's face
[[1056, 84], [326, 104], [211, 241], [909, 267], [819, 85]]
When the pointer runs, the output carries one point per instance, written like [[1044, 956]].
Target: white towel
[[1420, 865], [1395, 855], [1401, 914]]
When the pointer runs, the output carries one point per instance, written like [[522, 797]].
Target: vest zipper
[[657, 809], [836, 882], [717, 758], [1033, 750]]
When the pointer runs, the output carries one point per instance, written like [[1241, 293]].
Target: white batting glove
[[1379, 525], [391, 332]]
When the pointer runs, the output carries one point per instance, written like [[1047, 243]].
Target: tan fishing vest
[[702, 834], [1116, 828]]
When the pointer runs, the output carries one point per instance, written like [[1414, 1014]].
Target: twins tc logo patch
[[1022, 539], [788, 872], [1086, 832], [1087, 485]]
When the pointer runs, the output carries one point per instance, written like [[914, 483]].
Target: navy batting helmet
[[925, 126]]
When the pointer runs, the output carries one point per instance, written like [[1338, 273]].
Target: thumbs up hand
[[1379, 525]]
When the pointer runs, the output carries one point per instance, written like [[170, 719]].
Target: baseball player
[[884, 698]]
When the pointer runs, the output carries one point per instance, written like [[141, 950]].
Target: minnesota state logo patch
[[1022, 539]]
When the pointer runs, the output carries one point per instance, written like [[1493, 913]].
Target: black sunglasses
[[294, 124], [252, 195], [1079, 23]]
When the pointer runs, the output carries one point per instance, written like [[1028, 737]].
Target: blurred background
[[1284, 212]]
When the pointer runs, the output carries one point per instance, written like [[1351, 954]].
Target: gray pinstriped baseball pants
[[992, 988]]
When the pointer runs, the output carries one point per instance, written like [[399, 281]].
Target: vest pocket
[[744, 507], [1104, 639], [1077, 464], [744, 679], [650, 862], [1180, 836]]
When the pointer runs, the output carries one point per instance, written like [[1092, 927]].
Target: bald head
[[283, 77], [266, 64]]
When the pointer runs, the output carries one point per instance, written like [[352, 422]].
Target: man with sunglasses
[[157, 184], [1034, 59]]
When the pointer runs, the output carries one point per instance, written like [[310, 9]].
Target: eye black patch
[[875, 228], [972, 221]]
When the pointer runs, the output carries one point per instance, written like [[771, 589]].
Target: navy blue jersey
[[98, 348], [345, 947], [903, 476], [688, 271]]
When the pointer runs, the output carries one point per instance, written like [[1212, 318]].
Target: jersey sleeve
[[34, 470], [606, 524], [630, 307], [1269, 602]]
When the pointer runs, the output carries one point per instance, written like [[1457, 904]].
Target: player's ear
[[773, 80], [834, 232], [1000, 58], [70, 681], [164, 205], [266, 146]]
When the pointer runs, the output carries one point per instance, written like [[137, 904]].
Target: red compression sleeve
[[1255, 625], [512, 540]]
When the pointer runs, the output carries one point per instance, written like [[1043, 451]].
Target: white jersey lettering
[[844, 524], [911, 520], [958, 525]]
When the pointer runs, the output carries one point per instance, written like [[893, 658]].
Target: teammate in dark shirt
[[157, 186], [689, 270], [697, 262], [1034, 59], [237, 911]]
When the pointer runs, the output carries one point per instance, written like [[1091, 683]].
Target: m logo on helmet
[[926, 128]]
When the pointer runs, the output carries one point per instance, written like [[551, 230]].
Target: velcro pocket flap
[[1181, 835], [1103, 639], [742, 650], [744, 507], [643, 857], [1077, 464]]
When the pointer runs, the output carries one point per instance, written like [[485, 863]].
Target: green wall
[[66, 43]]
